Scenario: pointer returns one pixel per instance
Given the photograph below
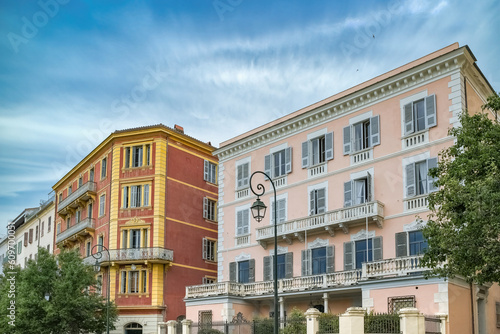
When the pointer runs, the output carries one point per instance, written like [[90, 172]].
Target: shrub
[[381, 323], [296, 323], [263, 325], [209, 331], [328, 323]]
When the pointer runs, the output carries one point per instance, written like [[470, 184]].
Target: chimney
[[179, 128]]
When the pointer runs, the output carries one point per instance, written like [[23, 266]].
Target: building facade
[[149, 196], [351, 177]]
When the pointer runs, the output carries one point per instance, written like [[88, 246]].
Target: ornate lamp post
[[97, 255], [258, 212]]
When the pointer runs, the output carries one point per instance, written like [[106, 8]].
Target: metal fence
[[259, 326], [382, 323], [432, 325], [328, 324]]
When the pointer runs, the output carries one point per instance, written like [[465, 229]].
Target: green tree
[[463, 231], [73, 305], [296, 323]]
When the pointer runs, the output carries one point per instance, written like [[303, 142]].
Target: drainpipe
[[472, 307]]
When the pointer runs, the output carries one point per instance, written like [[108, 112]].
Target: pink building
[[351, 179]]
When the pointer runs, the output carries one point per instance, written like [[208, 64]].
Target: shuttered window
[[417, 180], [317, 201], [361, 136], [210, 172], [420, 115], [285, 266], [317, 261], [209, 249], [278, 163], [357, 252], [242, 271], [317, 150], [242, 175], [280, 212], [410, 243], [358, 191], [209, 209]]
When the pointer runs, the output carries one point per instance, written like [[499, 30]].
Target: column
[[312, 319], [352, 321], [171, 326], [186, 326], [325, 302], [412, 321], [282, 312]]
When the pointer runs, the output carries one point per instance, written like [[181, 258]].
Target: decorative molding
[[317, 243], [242, 257], [281, 250], [362, 235], [135, 221], [414, 225]]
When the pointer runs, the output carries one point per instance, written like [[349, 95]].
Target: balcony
[[134, 255], [378, 269], [84, 227], [82, 194], [329, 221]]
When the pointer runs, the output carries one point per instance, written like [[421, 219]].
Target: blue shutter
[[430, 111], [347, 140], [329, 146], [408, 119], [305, 154], [375, 130]]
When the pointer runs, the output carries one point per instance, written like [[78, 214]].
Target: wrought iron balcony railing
[[131, 255]]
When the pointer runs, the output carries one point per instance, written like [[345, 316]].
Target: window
[[357, 252], [395, 304], [419, 115], [278, 163], [58, 228], [136, 196], [209, 249], [68, 222], [209, 209], [49, 223], [78, 216], [19, 247], [242, 175], [134, 238], [135, 157], [42, 228], [48, 248], [209, 173], [102, 205], [25, 239], [99, 285], [134, 281], [91, 175], [285, 266], [36, 233], [417, 180], [243, 222], [89, 248], [361, 135], [103, 168], [60, 197], [80, 181], [410, 243], [70, 190], [317, 201], [30, 236], [242, 271], [319, 260], [205, 319], [209, 280], [358, 191], [317, 150], [280, 212], [90, 209]]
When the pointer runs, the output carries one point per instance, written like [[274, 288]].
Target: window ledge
[[242, 192], [317, 170], [361, 156], [242, 240], [415, 139]]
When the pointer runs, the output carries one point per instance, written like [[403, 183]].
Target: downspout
[[472, 306]]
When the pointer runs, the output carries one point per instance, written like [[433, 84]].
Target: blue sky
[[71, 72]]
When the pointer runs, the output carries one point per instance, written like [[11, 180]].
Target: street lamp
[[258, 212], [97, 268]]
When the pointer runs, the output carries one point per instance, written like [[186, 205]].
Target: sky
[[72, 72]]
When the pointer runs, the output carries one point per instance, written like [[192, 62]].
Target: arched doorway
[[133, 328]]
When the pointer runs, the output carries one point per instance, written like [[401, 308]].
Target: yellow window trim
[[140, 281], [144, 155], [129, 192]]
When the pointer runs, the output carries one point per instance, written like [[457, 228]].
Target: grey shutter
[[305, 154], [430, 111], [281, 208], [408, 119], [246, 221], [410, 179], [268, 268], [239, 176], [431, 163], [321, 200], [369, 187], [347, 140], [267, 165], [271, 213], [206, 169], [251, 271], [245, 172], [239, 223], [330, 259], [288, 160], [205, 249], [205, 207], [312, 203], [377, 248], [289, 265], [306, 262], [401, 244], [329, 146], [347, 194], [232, 271], [375, 130], [348, 255]]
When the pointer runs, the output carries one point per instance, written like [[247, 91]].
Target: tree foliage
[[73, 305], [463, 231]]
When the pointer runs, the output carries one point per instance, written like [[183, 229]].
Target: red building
[[149, 195]]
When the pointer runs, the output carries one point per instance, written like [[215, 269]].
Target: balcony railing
[[379, 269], [130, 255], [416, 203], [330, 220], [83, 193], [83, 227]]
